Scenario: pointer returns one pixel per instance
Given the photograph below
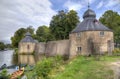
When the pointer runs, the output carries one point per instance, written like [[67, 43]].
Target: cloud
[[22, 13], [112, 3], [70, 5], [100, 4], [77, 4]]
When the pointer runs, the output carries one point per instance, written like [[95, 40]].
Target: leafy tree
[[19, 34], [63, 23], [2, 46], [112, 20], [31, 30], [43, 34]]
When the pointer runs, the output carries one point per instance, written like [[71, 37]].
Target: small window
[[102, 33], [28, 47], [78, 34], [79, 49]]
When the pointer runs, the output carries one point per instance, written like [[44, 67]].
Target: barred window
[[79, 49], [102, 33]]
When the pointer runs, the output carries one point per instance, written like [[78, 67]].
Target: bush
[[116, 51], [16, 51], [43, 68], [4, 74]]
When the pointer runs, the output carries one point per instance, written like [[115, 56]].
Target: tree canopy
[[63, 23], [19, 34], [2, 46], [43, 34], [112, 20]]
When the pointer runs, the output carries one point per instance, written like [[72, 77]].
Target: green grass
[[86, 68], [79, 68]]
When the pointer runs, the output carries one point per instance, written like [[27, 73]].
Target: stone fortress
[[88, 37]]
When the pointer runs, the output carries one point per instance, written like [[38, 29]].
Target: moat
[[10, 59]]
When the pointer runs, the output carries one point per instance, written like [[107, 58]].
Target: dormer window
[[102, 33]]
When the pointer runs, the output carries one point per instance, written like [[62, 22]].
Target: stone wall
[[26, 48], [53, 48], [60, 47], [40, 48], [83, 39]]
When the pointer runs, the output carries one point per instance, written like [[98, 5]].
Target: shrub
[[43, 68], [4, 74], [116, 51]]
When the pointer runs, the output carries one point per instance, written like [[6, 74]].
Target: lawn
[[87, 68], [79, 67]]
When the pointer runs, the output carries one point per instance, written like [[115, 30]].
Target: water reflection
[[9, 58], [26, 59]]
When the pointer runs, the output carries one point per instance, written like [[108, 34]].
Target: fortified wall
[[89, 36], [53, 48]]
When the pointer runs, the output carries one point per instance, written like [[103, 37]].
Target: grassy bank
[[78, 68]]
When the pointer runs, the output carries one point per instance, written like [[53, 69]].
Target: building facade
[[90, 36], [27, 44]]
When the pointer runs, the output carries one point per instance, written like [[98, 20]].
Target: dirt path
[[116, 69]]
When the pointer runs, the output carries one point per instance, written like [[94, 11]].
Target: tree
[[30, 29], [2, 46], [63, 23], [19, 34], [112, 20], [43, 34]]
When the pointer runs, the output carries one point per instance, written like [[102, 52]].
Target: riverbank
[[80, 68]]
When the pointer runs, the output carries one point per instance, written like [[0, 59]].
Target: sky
[[15, 14]]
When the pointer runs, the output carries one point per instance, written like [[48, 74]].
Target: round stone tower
[[27, 44], [90, 36]]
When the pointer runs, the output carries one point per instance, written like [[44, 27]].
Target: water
[[6, 57], [26, 59]]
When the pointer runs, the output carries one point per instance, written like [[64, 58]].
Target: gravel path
[[116, 69]]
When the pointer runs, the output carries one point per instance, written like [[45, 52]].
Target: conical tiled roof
[[90, 23], [27, 38]]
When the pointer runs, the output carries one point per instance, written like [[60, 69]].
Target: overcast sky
[[15, 14]]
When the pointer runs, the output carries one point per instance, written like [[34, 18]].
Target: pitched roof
[[28, 38], [90, 23]]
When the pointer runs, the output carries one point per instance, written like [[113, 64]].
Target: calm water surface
[[6, 57]]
